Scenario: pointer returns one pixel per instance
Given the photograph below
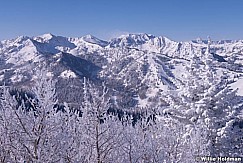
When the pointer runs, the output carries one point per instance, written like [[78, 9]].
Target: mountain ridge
[[142, 37], [142, 41]]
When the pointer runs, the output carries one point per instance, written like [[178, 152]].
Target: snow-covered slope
[[238, 85], [19, 50]]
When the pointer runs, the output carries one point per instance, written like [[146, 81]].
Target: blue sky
[[180, 20]]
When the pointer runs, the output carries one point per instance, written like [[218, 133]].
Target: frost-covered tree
[[204, 98], [161, 139], [5, 151], [101, 131], [32, 135], [141, 141]]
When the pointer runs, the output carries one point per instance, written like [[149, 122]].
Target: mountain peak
[[94, 40], [47, 36], [21, 39], [89, 37], [140, 40]]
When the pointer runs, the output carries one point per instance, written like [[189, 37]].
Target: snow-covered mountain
[[135, 67]]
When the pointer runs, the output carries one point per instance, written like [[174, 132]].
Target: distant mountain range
[[135, 67]]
